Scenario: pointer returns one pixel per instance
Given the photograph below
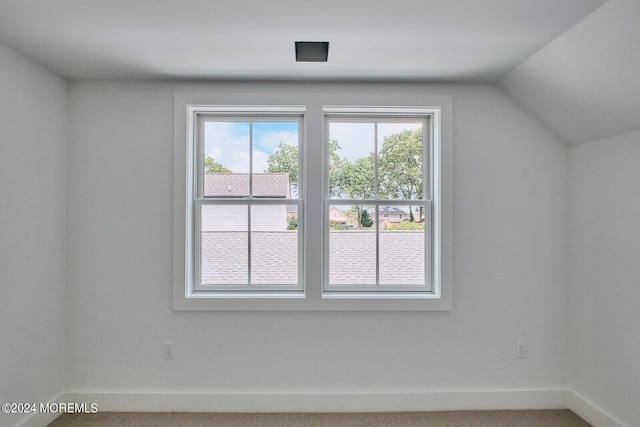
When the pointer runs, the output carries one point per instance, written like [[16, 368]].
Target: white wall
[[33, 158], [511, 260], [510, 257], [605, 274]]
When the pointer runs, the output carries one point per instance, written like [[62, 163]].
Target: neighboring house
[[292, 211], [387, 215], [392, 214], [236, 185], [336, 215]]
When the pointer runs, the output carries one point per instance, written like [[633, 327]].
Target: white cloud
[[269, 141], [357, 139], [228, 144], [260, 161]]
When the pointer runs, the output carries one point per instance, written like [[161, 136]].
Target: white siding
[[234, 218], [269, 218], [224, 218]]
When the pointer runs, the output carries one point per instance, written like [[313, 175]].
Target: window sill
[[298, 301]]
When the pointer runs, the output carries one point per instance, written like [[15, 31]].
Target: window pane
[[274, 245], [226, 159], [224, 245], [402, 243], [352, 245], [275, 159], [400, 161], [351, 160]]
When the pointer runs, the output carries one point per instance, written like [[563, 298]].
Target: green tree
[[365, 219], [400, 166], [285, 160], [355, 180], [292, 223], [336, 167], [411, 218], [211, 166]]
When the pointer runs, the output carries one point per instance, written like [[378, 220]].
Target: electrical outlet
[[521, 350], [169, 350]]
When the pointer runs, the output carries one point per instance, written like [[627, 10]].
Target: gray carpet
[[546, 418]]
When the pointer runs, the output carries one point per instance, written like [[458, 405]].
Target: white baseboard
[[589, 412], [40, 419], [339, 402]]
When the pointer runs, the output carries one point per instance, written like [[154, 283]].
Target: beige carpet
[[547, 418]]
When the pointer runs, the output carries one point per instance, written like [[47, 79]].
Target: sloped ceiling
[[585, 85]]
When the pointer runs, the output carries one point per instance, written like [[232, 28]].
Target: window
[[305, 206], [379, 177], [245, 220]]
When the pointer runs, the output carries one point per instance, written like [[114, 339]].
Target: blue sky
[[357, 139], [228, 142]]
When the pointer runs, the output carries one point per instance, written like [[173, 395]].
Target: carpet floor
[[534, 418]]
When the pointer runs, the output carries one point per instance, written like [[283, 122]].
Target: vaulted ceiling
[[571, 63], [585, 84]]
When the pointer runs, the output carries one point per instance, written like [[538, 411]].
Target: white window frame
[[430, 117], [198, 117], [312, 297]]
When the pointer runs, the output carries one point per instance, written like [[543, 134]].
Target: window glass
[[224, 245], [352, 243], [249, 232], [381, 244], [402, 246], [351, 160], [400, 158], [275, 159], [226, 160], [274, 245]]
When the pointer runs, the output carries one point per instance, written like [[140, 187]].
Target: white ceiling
[[573, 64], [428, 40]]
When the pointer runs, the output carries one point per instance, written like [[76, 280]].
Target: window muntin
[[246, 210], [379, 181]]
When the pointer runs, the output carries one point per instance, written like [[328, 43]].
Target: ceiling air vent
[[312, 51]]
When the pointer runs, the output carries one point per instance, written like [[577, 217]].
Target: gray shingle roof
[[392, 210], [237, 185], [275, 259]]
